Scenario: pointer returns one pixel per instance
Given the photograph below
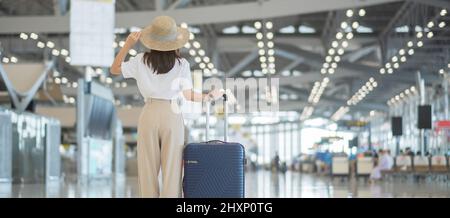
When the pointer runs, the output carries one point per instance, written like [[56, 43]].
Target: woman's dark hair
[[161, 62]]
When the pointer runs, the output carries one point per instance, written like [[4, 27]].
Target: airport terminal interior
[[354, 100]]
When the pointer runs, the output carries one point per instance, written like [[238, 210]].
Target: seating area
[[419, 169]]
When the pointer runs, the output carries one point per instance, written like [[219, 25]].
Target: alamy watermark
[[244, 95]]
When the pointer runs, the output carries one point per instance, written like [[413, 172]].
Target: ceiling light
[[402, 52], [262, 59], [443, 12], [344, 25], [441, 71], [442, 24], [132, 52], [331, 71], [355, 25], [269, 25], [57, 80], [201, 52], [55, 52], [430, 24], [334, 44], [192, 52], [362, 12], [349, 13], [344, 44], [68, 59], [382, 71], [337, 59], [184, 25], [198, 59], [259, 36], [326, 65], [331, 51], [388, 65], [260, 44], [50, 44], [403, 59], [419, 35], [40, 44], [339, 35], [23, 36], [34, 36], [13, 59], [430, 35], [269, 35], [5, 60], [191, 36], [257, 25], [411, 51], [323, 71], [271, 52], [206, 59], [328, 59], [390, 71], [270, 44], [396, 65], [349, 35], [419, 44], [394, 59], [271, 59], [210, 65], [340, 51], [196, 44], [64, 52], [410, 44], [202, 65], [261, 52]]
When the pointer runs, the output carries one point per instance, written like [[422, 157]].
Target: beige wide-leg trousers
[[160, 145]]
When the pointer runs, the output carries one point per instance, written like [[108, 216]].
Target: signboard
[[92, 32]]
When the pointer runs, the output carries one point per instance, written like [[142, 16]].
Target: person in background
[[327, 159], [390, 158], [383, 164], [276, 162], [409, 152]]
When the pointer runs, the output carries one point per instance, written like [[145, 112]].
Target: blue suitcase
[[214, 169]]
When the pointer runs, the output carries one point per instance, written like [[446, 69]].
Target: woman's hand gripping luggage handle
[[225, 111]]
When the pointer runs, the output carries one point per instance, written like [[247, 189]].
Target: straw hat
[[163, 34]]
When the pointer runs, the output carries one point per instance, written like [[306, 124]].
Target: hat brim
[[181, 40]]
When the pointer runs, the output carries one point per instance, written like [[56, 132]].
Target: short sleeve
[[130, 67], [186, 76]]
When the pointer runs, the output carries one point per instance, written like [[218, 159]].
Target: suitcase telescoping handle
[[225, 111]]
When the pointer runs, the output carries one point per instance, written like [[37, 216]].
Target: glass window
[[281, 142]]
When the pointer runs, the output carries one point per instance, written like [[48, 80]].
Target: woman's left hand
[[132, 39], [215, 94]]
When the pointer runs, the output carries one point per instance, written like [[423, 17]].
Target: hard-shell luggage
[[214, 169]]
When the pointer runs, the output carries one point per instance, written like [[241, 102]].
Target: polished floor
[[259, 184]]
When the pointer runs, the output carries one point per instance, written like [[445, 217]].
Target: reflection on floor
[[260, 184]]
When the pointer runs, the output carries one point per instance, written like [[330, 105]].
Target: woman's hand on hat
[[132, 39]]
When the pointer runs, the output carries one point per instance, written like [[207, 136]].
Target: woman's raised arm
[[132, 39]]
